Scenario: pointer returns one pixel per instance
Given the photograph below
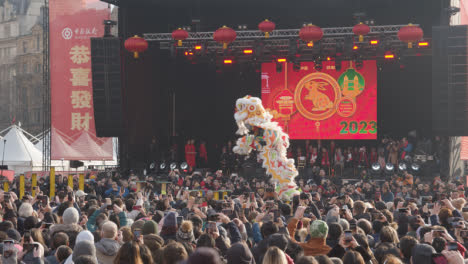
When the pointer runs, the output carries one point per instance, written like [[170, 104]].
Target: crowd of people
[[216, 217]]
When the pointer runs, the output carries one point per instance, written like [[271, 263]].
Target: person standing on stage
[[190, 153]]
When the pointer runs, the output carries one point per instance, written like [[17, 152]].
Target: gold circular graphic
[[340, 111], [317, 83]]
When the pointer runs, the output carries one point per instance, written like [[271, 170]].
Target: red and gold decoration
[[266, 26], [225, 35], [311, 33], [136, 45], [180, 35], [361, 30], [410, 34]]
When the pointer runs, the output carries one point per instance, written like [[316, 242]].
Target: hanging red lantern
[[311, 33], [179, 35], [136, 44], [361, 30], [225, 35], [410, 34], [266, 26]]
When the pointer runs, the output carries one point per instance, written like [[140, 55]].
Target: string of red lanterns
[[308, 33]]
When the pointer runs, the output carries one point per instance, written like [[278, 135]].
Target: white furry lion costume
[[268, 138]]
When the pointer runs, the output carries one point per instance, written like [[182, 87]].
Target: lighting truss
[[278, 44]]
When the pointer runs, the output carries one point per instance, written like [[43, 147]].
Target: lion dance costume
[[261, 134]]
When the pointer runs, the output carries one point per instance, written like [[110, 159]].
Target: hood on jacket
[[107, 246]]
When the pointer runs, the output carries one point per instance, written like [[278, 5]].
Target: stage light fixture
[[310, 45], [374, 42], [355, 47], [318, 64], [389, 55], [389, 167], [329, 58], [173, 166], [248, 51], [242, 27], [198, 47], [281, 60], [228, 62], [184, 166], [162, 166], [415, 167], [152, 165], [402, 166], [376, 167], [423, 44]]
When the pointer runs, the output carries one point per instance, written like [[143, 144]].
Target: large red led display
[[324, 104]]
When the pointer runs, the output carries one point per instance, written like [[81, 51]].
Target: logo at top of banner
[[67, 33], [316, 96]]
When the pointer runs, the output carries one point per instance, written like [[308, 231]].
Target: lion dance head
[[250, 111]]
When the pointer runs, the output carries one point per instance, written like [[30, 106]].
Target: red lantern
[[410, 34], [136, 44], [311, 33], [361, 30], [179, 35], [266, 27], [225, 35]]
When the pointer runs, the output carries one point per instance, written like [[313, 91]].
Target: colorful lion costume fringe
[[267, 137]]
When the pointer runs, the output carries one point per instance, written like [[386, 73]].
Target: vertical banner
[[33, 184], [70, 181], [81, 182], [72, 24], [52, 182], [21, 188]]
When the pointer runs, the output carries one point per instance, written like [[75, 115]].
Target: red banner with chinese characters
[[72, 24], [324, 104]]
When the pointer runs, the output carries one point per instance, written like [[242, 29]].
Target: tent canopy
[[19, 151]]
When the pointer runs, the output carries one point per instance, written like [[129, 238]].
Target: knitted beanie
[[185, 232], [318, 229], [150, 227], [71, 216]]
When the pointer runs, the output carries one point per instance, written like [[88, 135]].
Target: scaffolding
[[46, 84]]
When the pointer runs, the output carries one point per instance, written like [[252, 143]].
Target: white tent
[[20, 154]]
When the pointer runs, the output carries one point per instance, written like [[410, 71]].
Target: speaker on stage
[[107, 95], [75, 164]]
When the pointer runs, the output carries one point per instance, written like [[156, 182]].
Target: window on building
[[38, 42], [25, 46]]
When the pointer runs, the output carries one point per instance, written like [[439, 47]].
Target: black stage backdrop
[[205, 99]]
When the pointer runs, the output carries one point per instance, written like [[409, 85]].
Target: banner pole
[[33, 184], [21, 189], [52, 182]]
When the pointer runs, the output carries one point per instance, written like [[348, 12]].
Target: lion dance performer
[[267, 137]]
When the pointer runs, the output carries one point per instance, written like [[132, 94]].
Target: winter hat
[[138, 225], [185, 232], [84, 248], [204, 255], [170, 220], [13, 234], [70, 216], [318, 229], [239, 253], [150, 227], [153, 241], [84, 236]]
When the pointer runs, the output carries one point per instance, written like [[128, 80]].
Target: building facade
[[21, 52]]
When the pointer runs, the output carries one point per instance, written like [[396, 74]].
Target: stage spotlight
[[173, 166], [389, 167], [242, 27], [152, 165], [376, 167], [415, 167], [227, 62], [184, 166], [374, 42], [318, 63], [355, 47], [423, 44], [402, 166], [248, 51], [281, 60], [389, 55], [162, 166]]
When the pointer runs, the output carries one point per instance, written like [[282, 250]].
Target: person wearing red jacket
[[203, 154]]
